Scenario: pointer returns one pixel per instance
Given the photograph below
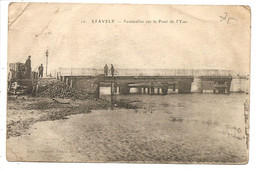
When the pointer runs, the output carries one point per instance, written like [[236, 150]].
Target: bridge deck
[[142, 79]]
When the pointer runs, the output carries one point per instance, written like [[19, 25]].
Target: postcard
[[128, 83]]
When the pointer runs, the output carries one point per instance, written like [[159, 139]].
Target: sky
[[67, 31]]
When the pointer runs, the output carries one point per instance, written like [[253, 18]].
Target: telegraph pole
[[47, 54], [112, 95]]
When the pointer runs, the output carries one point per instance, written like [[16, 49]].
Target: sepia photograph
[[128, 83]]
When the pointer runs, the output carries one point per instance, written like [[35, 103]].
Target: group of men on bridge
[[112, 70]]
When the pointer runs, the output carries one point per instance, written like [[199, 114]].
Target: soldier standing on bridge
[[112, 70], [106, 70]]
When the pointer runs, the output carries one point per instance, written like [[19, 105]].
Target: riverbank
[[166, 129], [22, 112]]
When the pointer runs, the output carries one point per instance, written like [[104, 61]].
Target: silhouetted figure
[[28, 66], [106, 70], [40, 71], [112, 70]]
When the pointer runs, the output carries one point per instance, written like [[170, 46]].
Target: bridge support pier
[[164, 90], [184, 86], [115, 87], [173, 87], [152, 90], [124, 88], [97, 93], [71, 83], [67, 81], [216, 84], [139, 90]]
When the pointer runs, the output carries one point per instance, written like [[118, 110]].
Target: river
[[173, 128]]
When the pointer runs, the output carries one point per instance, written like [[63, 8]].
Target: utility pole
[[112, 95], [47, 54]]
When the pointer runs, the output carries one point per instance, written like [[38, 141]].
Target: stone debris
[[57, 89]]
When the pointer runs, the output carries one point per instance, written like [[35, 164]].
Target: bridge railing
[[145, 72], [80, 71]]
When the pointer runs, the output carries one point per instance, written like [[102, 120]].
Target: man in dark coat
[[112, 70], [106, 70], [40, 71], [28, 66]]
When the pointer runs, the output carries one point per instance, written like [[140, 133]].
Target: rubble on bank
[[51, 88]]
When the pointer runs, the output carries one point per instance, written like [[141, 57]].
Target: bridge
[[148, 84], [150, 81], [146, 72]]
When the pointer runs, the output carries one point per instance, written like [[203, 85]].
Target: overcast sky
[[73, 41]]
